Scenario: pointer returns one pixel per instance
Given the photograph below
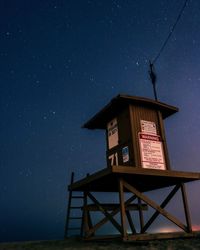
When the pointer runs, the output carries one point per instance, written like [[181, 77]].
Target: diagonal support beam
[[155, 206], [132, 227], [164, 203]]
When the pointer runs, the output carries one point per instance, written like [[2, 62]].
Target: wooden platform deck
[[144, 180], [136, 181]]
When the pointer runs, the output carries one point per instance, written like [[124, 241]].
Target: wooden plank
[[85, 221], [155, 206], [162, 131], [130, 221], [141, 214], [111, 207], [135, 145], [164, 178], [122, 208], [155, 172], [90, 178], [157, 236], [186, 208], [89, 220]]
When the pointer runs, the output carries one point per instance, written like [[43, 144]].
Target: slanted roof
[[117, 104]]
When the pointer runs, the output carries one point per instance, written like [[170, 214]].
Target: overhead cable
[[171, 31]]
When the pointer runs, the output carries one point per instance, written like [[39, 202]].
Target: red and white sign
[[151, 151]]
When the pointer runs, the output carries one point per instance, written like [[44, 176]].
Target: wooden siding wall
[[125, 139], [138, 113]]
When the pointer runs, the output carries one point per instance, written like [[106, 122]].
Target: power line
[[152, 73], [170, 33]]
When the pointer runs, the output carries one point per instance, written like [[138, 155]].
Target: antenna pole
[[153, 77]]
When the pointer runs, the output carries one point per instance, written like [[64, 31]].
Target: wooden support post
[[186, 208], [164, 203], [155, 206], [85, 220], [122, 209], [140, 214]]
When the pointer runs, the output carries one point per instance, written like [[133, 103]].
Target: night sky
[[60, 63]]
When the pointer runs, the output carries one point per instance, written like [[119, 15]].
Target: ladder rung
[[71, 205], [75, 218], [74, 228], [77, 197]]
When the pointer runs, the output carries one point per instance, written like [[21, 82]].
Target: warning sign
[[151, 150], [148, 127]]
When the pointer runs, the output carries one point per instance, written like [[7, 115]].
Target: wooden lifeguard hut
[[137, 162]]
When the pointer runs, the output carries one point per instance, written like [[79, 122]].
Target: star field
[[60, 63]]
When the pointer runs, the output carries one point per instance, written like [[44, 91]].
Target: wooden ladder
[[70, 218]]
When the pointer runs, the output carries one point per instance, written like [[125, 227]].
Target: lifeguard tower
[[137, 162]]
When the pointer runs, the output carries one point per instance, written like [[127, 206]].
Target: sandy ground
[[72, 244]]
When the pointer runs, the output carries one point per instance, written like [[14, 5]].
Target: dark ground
[[72, 244]]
